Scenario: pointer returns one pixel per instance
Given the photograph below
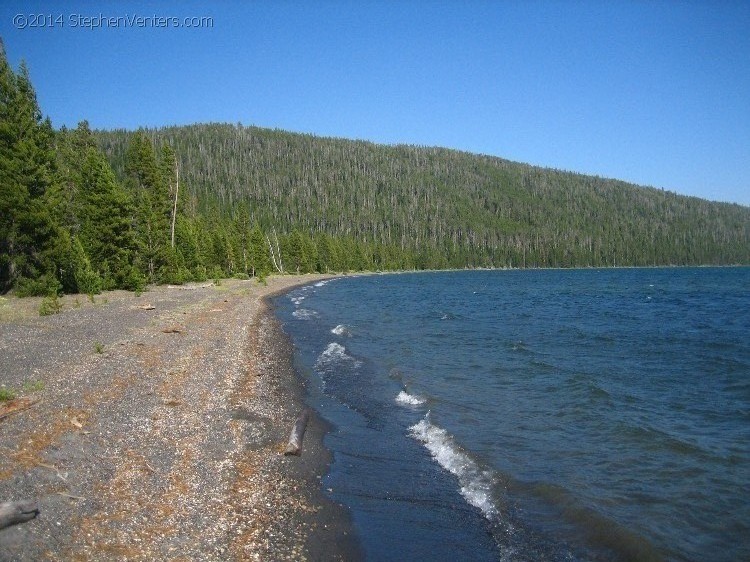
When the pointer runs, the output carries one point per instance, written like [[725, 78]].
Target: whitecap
[[476, 483], [404, 397], [335, 354], [297, 300], [320, 283], [304, 314], [341, 330]]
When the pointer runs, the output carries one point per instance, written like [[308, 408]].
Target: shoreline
[[322, 526], [151, 415]]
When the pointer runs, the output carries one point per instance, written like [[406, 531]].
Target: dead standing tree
[[275, 252]]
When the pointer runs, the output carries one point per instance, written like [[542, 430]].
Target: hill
[[84, 211], [444, 207]]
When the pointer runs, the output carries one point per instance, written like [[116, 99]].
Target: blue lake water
[[535, 415]]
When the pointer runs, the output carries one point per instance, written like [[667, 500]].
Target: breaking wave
[[333, 355], [476, 483], [404, 397], [304, 314], [341, 330]]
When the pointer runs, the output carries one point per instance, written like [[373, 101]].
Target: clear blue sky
[[657, 93]]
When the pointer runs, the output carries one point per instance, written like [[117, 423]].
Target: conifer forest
[[85, 210]]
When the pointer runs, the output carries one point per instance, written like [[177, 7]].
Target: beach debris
[[76, 422], [55, 469], [146, 307], [294, 447], [172, 402], [14, 406], [190, 287], [172, 330], [12, 513], [70, 496]]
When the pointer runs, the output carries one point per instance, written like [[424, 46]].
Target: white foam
[[409, 399], [320, 283], [304, 314], [297, 300], [476, 483], [341, 330], [335, 354]]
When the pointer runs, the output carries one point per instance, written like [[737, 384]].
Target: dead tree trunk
[[176, 191], [294, 447], [275, 255], [12, 513]]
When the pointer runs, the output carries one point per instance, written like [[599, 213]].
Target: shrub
[[33, 386], [6, 394], [134, 281], [42, 286], [50, 305], [88, 281]]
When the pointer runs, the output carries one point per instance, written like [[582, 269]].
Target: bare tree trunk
[[273, 256], [294, 447], [278, 251], [176, 191], [12, 513]]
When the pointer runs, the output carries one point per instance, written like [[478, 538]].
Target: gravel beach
[[152, 427]]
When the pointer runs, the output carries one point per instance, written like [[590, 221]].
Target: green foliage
[[33, 386], [50, 305], [98, 347], [134, 280], [45, 285], [404, 207], [89, 282], [84, 211], [27, 168], [6, 394]]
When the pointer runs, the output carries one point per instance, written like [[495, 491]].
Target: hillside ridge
[[449, 208]]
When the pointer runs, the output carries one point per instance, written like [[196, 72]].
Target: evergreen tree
[[106, 212], [259, 259], [27, 168], [150, 190]]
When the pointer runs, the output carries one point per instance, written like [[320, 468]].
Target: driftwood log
[[12, 513], [294, 447]]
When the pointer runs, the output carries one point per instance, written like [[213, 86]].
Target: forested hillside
[[83, 211], [432, 207]]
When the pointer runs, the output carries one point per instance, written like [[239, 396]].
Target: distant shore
[[151, 427]]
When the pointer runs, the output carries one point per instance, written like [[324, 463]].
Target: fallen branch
[[294, 447], [71, 496], [190, 287], [17, 406], [12, 513]]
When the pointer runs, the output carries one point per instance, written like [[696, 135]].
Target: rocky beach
[[152, 427]]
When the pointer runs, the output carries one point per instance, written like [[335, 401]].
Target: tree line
[[68, 223], [436, 208], [85, 211]]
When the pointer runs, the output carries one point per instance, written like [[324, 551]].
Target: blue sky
[[657, 93]]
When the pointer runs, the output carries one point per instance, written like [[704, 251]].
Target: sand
[[153, 428]]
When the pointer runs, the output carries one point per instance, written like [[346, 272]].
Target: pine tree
[[27, 168], [150, 190], [259, 259], [106, 214]]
